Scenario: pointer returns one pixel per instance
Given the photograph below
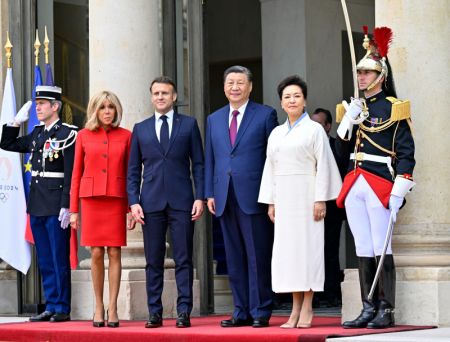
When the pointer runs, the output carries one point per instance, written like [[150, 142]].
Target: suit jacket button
[[103, 170], [105, 142]]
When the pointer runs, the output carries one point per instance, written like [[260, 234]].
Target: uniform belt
[[361, 156], [47, 174]]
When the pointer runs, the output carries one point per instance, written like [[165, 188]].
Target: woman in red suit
[[99, 181]]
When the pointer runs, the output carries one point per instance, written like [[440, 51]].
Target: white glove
[[354, 109], [23, 114], [64, 217], [395, 202]]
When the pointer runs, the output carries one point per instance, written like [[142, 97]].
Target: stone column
[[124, 56], [420, 58]]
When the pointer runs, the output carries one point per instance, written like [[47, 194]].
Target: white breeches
[[368, 219]]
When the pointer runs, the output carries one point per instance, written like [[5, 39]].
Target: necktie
[[233, 127], [164, 134]]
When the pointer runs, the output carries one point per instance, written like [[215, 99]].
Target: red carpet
[[204, 329]]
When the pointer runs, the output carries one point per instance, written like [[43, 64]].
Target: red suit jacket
[[100, 167]]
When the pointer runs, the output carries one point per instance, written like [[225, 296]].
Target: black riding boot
[[367, 269], [386, 295]]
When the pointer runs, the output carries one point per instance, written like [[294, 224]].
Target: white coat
[[300, 169]]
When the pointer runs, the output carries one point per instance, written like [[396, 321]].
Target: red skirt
[[103, 221]]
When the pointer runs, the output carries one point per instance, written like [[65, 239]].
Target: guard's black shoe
[[235, 322], [367, 314], [43, 317], [60, 317], [384, 318], [154, 321], [183, 320]]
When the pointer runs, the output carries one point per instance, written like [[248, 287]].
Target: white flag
[[14, 249]]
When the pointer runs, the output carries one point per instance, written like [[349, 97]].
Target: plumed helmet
[[376, 55]]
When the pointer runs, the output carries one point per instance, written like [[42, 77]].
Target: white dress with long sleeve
[[300, 169]]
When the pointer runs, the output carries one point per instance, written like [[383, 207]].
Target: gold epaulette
[[340, 112], [401, 110]]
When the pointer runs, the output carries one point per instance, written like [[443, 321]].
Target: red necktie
[[233, 127]]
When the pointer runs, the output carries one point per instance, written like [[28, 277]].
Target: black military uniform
[[51, 169], [52, 154], [385, 133], [381, 163]]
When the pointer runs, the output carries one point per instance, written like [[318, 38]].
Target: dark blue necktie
[[164, 134]]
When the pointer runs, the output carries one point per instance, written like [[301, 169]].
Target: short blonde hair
[[94, 105]]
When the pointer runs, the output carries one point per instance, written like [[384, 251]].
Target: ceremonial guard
[[375, 135], [51, 148]]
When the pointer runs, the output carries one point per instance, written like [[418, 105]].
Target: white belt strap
[[47, 174], [361, 156]]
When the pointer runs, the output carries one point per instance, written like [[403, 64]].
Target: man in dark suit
[[235, 153], [166, 145], [333, 222], [51, 145]]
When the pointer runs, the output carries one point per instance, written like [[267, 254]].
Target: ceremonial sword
[[383, 254], [352, 49]]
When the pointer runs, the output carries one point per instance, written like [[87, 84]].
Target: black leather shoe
[[235, 322], [43, 317], [183, 320], [154, 321], [99, 324], [260, 323], [384, 318], [367, 314], [60, 317], [111, 324]]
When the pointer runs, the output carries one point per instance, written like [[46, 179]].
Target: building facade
[[122, 46]]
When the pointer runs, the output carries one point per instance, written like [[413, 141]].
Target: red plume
[[383, 38], [365, 29]]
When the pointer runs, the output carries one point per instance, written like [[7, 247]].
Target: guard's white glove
[[64, 217], [354, 109], [23, 114], [395, 202]]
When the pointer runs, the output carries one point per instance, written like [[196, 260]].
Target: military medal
[[374, 121], [56, 155]]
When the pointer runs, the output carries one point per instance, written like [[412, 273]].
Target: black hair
[[165, 80], [327, 113], [292, 80], [240, 70]]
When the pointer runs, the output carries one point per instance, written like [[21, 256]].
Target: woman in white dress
[[299, 176]]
